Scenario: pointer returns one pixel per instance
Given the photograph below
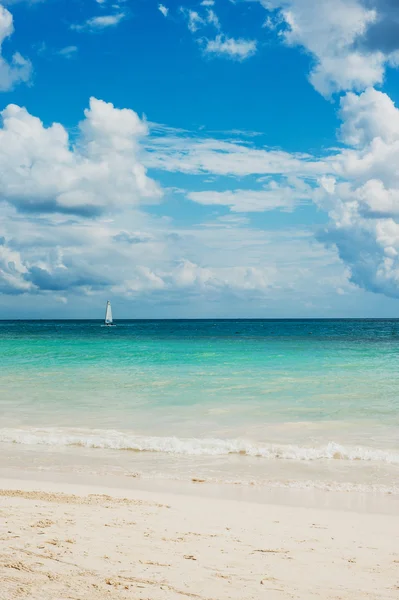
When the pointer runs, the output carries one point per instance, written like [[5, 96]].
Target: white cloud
[[19, 70], [186, 153], [208, 3], [12, 272], [134, 255], [58, 254], [134, 237], [223, 45], [212, 18], [368, 116], [274, 196], [104, 242], [236, 49], [187, 276], [330, 31], [48, 252], [101, 22], [102, 171], [99, 180], [194, 20], [68, 51], [363, 199], [163, 10], [358, 186]]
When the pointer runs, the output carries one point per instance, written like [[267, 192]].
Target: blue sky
[[199, 159]]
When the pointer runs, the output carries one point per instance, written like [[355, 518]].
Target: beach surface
[[68, 541]]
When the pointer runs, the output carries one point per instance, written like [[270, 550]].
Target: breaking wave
[[116, 440]]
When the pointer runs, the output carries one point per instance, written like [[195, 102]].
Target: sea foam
[[117, 440]]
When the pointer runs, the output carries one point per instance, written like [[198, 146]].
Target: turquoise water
[[290, 390]]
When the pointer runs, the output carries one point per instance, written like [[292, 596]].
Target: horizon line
[[210, 319]]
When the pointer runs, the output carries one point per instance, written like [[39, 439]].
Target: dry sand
[[65, 542]]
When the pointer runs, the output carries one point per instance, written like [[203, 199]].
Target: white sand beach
[[67, 541]]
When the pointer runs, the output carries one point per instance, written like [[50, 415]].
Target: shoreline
[[311, 498], [78, 540], [255, 479]]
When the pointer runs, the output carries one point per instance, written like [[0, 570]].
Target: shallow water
[[272, 402]]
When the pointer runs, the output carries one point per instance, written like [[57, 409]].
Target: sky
[[199, 159]]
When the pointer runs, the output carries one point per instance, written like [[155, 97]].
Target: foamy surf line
[[115, 440]]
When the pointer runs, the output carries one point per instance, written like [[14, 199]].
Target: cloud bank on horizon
[[175, 216]]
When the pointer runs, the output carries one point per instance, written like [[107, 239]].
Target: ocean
[[283, 403]]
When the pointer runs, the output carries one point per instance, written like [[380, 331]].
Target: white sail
[[108, 314]]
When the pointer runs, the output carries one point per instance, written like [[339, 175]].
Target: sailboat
[[108, 315]]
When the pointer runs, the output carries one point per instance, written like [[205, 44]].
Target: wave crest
[[116, 440]]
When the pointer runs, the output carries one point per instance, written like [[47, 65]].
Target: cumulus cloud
[[357, 186], [363, 198], [42, 170], [12, 271], [330, 33], [52, 266], [189, 276], [19, 69], [44, 256], [70, 205], [72, 222], [55, 253], [368, 116], [134, 255], [235, 49], [63, 279]]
